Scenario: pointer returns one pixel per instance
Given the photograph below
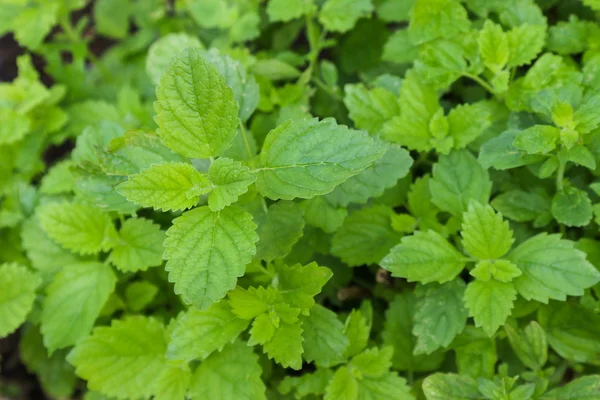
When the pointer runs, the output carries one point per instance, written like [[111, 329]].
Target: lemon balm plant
[[339, 199]]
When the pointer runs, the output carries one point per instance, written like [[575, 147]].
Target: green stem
[[247, 144], [410, 377], [326, 88], [560, 176], [481, 82], [315, 49]]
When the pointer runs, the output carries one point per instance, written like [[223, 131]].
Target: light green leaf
[[365, 237], [300, 284], [369, 109], [230, 179], [501, 153], [457, 179], [323, 155], [373, 362], [139, 294], [197, 114], [197, 334], [73, 301], [234, 373], [139, 246], [245, 89], [418, 104], [467, 122], [490, 303], [343, 386], [285, 347], [493, 46], [162, 52], [572, 207], [279, 229], [552, 269], [525, 42], [424, 257], [539, 139], [450, 386], [306, 384], [529, 344], [485, 234], [584, 388], [287, 10], [17, 293], [475, 353], [324, 340], [110, 23], [357, 329], [372, 182], [432, 19], [398, 48], [500, 270], [14, 126], [207, 252], [439, 316], [319, 212], [173, 382], [81, 228], [170, 186], [387, 387], [341, 15], [250, 303], [122, 360]]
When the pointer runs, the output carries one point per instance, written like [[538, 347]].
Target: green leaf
[[500, 270], [169, 186], [485, 234], [522, 206], [398, 48], [285, 347], [14, 126], [372, 181], [572, 331], [286, 10], [387, 387], [373, 362], [248, 304], [234, 373], [343, 386], [424, 257], [109, 23], [139, 246], [369, 109], [365, 237], [324, 340], [341, 15], [196, 110], [457, 179], [432, 19], [490, 303], [319, 212], [81, 228], [173, 382], [450, 386], [279, 229], [197, 334], [300, 284], [357, 329], [323, 155], [418, 104], [467, 122], [397, 332], [475, 353], [529, 344], [552, 269], [16, 297], [206, 252], [139, 294], [525, 42], [501, 153], [306, 384], [572, 207], [439, 316], [245, 89], [161, 53], [539, 139], [122, 360], [493, 45], [584, 388], [230, 180], [73, 301]]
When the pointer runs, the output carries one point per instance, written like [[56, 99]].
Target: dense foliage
[[339, 199]]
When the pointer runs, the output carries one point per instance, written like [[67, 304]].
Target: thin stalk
[[560, 176], [481, 82], [247, 144], [326, 88]]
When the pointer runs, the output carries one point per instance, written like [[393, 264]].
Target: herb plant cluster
[[301, 199]]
